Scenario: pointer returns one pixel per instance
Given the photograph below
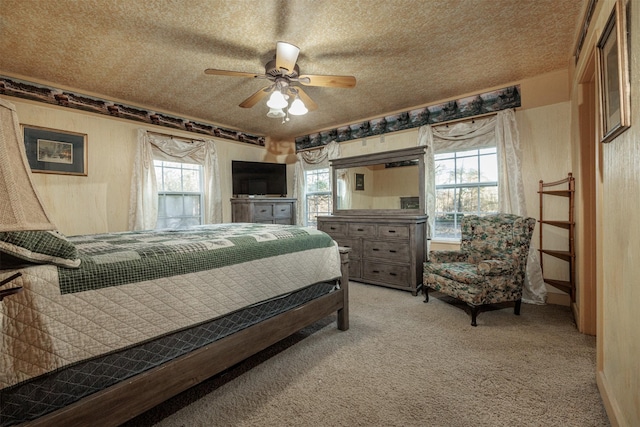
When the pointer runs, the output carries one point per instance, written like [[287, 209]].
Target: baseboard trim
[[610, 405], [558, 299]]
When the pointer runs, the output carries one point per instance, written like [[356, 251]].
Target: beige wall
[[617, 181], [99, 202]]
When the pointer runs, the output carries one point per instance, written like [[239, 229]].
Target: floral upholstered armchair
[[490, 266]]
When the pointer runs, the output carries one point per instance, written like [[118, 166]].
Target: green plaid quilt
[[128, 257]]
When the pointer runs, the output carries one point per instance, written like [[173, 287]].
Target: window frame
[[161, 192], [453, 155], [309, 194]]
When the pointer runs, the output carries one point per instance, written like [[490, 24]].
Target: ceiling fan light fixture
[[275, 113], [298, 108], [277, 100]]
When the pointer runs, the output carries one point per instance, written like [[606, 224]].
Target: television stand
[[264, 210]]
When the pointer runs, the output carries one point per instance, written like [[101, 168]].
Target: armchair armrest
[[495, 267], [448, 256]]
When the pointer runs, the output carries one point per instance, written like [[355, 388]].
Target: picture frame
[[359, 182], [613, 64], [55, 151]]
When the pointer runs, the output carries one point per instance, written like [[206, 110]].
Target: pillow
[[40, 247]]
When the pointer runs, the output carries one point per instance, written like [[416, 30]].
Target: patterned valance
[[475, 105], [49, 95]]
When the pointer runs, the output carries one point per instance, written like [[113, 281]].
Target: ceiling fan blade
[[345, 82], [253, 99], [308, 102], [286, 56], [215, 72]]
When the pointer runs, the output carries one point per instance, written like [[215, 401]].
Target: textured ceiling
[[403, 53]]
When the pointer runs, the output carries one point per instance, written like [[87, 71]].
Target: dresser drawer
[[263, 211], [282, 210], [397, 231], [333, 229], [386, 273], [362, 230], [389, 250]]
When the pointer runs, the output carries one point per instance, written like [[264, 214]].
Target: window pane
[[172, 180], [191, 205], [191, 180], [448, 226], [162, 207], [174, 205], [468, 199], [445, 172], [487, 150], [466, 153], [443, 156], [445, 199], [467, 169], [317, 205], [488, 199]]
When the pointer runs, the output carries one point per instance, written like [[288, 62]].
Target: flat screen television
[[258, 178]]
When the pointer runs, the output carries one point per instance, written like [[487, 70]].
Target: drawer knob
[[332, 228], [392, 274], [263, 210], [360, 229], [393, 251], [375, 249], [392, 231], [376, 271]]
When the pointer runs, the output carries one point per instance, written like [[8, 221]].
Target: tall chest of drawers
[[386, 250], [265, 210]]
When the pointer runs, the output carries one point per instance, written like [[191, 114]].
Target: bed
[[117, 323]]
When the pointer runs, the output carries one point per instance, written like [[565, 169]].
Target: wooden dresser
[[264, 210], [386, 250]]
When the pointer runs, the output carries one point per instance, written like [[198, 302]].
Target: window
[[466, 183], [318, 194], [180, 197]]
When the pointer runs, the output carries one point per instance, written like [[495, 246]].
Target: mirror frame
[[413, 153]]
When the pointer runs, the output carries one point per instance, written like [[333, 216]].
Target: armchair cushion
[[496, 267], [462, 272], [448, 256]]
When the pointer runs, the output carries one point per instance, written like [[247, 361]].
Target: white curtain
[[311, 160], [500, 130], [143, 206]]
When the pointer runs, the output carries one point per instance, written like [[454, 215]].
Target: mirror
[[390, 182]]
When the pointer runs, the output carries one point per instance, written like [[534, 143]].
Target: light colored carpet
[[406, 363]]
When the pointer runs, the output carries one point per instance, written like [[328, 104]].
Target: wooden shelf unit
[[569, 255]]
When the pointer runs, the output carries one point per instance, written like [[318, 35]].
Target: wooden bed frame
[[132, 397]]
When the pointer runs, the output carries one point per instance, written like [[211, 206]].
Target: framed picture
[[613, 63], [359, 182], [55, 151]]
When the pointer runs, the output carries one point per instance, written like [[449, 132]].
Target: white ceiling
[[403, 53]]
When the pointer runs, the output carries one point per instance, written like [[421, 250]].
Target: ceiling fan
[[284, 75]]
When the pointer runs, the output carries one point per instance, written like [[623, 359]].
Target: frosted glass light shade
[[275, 113], [298, 108], [277, 100]]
